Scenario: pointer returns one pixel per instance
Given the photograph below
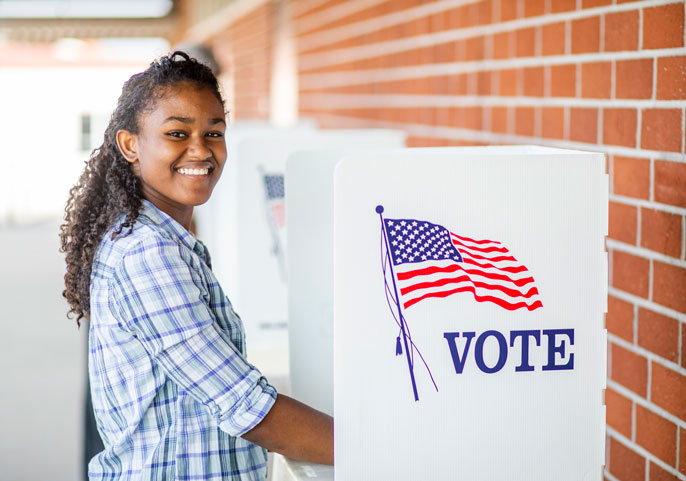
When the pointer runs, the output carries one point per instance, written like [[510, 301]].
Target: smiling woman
[[173, 393], [180, 151]]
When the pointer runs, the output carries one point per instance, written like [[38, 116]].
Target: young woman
[[173, 393]]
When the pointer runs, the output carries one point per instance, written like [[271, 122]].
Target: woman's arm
[[295, 430]]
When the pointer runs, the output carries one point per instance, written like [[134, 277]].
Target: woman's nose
[[198, 148]]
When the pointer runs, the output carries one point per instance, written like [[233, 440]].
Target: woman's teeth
[[193, 171]]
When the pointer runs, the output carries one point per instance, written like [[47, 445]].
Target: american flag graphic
[[274, 188], [429, 261]]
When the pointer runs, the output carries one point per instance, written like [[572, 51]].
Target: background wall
[[600, 75]]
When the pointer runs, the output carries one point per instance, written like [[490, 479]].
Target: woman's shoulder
[[115, 246]]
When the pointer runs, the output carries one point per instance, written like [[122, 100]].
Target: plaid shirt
[[172, 390]]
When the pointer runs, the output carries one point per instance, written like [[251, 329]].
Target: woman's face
[[180, 150]]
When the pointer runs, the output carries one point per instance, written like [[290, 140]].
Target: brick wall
[[244, 52], [600, 75]]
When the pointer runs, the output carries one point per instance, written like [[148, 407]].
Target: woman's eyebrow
[[185, 120], [190, 120]]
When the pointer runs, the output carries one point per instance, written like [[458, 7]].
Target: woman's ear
[[126, 141]]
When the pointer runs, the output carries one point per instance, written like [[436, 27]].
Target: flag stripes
[[484, 268]]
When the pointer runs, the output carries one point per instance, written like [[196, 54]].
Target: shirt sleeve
[[164, 303]]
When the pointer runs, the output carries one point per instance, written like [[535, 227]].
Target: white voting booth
[[245, 229], [462, 292]]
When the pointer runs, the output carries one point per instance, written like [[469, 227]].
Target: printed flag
[[432, 262], [428, 261], [273, 184], [275, 207]]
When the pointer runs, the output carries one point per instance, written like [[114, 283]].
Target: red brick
[[524, 121], [533, 82], [583, 125], [618, 411], [661, 231], [482, 12], [659, 334], [526, 42], [459, 85], [663, 26], [661, 129], [534, 8], [444, 116], [670, 182], [594, 3], [475, 48], [682, 450], [625, 464], [634, 79], [508, 10], [553, 122], [470, 118], [668, 390], [671, 78], [621, 31], [499, 120], [630, 273], [563, 80], [619, 127], [623, 223], [631, 177], [501, 44], [483, 83], [656, 434], [586, 35], [444, 52], [620, 318], [562, 5], [659, 474], [553, 36], [596, 80], [669, 286], [629, 369], [508, 82]]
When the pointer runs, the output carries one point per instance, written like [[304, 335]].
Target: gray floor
[[42, 355]]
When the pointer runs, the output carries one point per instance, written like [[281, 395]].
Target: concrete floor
[[42, 355]]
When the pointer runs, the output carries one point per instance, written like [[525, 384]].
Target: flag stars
[[417, 241]]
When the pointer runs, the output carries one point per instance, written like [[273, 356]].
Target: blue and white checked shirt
[[167, 362]]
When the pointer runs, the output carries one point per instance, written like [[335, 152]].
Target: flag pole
[[379, 210]]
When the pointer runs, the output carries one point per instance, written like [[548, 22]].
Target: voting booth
[[457, 295]]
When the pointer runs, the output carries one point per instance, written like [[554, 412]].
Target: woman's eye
[[215, 134], [177, 134]]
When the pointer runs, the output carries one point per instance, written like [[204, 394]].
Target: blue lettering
[[525, 335], [452, 344], [554, 349], [479, 352]]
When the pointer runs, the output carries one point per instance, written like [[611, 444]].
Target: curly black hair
[[107, 187]]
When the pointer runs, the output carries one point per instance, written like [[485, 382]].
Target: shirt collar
[[171, 226]]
